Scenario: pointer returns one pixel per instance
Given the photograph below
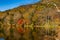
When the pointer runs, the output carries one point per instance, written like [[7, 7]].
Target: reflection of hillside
[[38, 21]]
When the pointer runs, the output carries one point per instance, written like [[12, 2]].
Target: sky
[[9, 4]]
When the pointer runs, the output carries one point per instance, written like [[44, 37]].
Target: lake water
[[1, 38]]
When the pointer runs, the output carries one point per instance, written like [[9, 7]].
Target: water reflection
[[2, 39]]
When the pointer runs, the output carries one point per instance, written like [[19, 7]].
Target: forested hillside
[[39, 21]]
